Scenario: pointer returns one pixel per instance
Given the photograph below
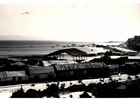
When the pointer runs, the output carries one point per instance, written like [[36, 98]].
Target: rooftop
[[40, 70], [62, 67], [70, 51]]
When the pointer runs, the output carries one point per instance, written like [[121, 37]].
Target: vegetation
[[134, 43], [112, 89]]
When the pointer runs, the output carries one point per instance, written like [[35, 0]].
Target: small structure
[[40, 73], [13, 76]]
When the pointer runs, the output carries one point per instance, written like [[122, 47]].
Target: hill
[[133, 43]]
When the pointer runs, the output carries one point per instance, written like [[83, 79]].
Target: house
[[13, 76], [37, 73], [81, 70]]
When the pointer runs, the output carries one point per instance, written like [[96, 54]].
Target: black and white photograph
[[69, 49]]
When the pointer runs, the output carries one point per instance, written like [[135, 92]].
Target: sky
[[77, 20]]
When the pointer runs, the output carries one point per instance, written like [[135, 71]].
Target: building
[[40, 73], [81, 71], [71, 54], [13, 76]]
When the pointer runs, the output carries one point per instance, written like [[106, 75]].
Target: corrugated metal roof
[[63, 67], [76, 66], [83, 66], [88, 65], [40, 70], [6, 74], [98, 65], [80, 66], [2, 74], [71, 66], [94, 65], [15, 73], [67, 67], [57, 67]]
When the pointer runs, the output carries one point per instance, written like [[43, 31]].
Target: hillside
[[133, 43]]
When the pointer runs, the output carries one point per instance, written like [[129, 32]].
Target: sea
[[16, 47]]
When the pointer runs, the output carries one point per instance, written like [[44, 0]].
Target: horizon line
[[60, 40]]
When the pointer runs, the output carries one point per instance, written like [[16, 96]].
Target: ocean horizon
[[39, 47]]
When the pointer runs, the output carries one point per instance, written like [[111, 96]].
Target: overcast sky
[[69, 21]]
